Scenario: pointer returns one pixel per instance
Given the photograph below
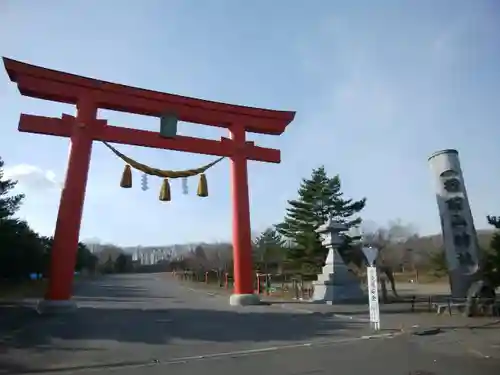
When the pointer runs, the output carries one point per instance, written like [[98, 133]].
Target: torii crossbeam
[[91, 94]]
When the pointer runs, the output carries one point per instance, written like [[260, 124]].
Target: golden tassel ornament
[[203, 186], [126, 181], [165, 191]]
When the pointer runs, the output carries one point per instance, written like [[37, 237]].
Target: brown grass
[[423, 278], [27, 289]]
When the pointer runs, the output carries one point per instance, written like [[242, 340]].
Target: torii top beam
[[42, 83]]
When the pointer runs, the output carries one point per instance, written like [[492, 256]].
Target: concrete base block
[[50, 307], [244, 300]]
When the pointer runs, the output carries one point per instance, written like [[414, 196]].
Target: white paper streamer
[[184, 186]]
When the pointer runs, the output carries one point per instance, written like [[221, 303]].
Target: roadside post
[[371, 274]]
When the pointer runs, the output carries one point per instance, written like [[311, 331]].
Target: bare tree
[[108, 252], [390, 241], [199, 258], [220, 259]]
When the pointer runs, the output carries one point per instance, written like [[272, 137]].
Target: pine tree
[[320, 197], [268, 248], [438, 262], [9, 204], [20, 246], [492, 256]]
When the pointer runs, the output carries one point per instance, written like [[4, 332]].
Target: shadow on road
[[127, 319], [92, 333], [113, 289], [159, 326], [14, 315], [135, 320]]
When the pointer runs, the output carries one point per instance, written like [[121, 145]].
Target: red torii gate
[[91, 94]]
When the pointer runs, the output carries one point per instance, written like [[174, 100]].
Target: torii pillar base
[[244, 300], [53, 307]]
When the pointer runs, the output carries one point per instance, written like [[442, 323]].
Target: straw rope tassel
[[165, 191], [202, 186], [159, 172], [126, 181]]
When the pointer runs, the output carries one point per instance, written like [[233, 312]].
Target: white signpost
[[371, 274]]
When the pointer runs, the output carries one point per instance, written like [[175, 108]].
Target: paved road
[[145, 324]]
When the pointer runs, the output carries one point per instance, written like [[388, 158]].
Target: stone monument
[[336, 283], [457, 225]]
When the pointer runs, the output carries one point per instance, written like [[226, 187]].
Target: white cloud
[[32, 178]]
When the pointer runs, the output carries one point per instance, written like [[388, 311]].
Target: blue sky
[[377, 85]]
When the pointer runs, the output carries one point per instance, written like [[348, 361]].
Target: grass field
[[427, 285], [423, 278]]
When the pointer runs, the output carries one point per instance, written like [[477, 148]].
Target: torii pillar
[[91, 94]]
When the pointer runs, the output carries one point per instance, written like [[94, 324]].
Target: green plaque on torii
[[168, 125]]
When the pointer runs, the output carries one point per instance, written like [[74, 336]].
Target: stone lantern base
[[337, 283]]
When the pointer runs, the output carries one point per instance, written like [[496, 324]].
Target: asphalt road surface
[[146, 324]]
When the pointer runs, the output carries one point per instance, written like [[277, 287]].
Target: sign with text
[[457, 224], [371, 273], [370, 254], [461, 233]]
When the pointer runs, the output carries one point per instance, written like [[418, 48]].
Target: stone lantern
[[336, 282]]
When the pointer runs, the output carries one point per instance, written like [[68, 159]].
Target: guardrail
[[442, 304]]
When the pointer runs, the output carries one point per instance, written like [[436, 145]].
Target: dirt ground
[[27, 289], [441, 288]]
